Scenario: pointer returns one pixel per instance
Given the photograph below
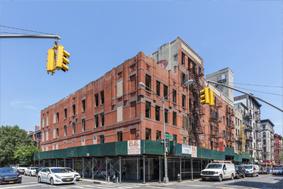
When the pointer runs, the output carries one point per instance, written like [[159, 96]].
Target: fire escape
[[214, 125], [230, 126], [197, 130]]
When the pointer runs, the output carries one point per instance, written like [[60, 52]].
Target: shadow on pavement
[[254, 184]]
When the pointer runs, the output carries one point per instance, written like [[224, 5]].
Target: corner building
[[91, 130]]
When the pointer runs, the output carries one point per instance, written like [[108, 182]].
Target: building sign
[[187, 149], [134, 147]]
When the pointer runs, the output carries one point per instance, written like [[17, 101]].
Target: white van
[[219, 170], [251, 169]]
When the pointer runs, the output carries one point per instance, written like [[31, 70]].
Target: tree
[[11, 137], [24, 154]]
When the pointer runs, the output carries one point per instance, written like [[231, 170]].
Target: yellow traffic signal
[[207, 96], [204, 96], [50, 65], [62, 58], [211, 98]]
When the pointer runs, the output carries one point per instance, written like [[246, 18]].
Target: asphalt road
[[261, 182]]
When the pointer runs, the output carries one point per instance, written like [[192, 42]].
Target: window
[[184, 101], [74, 109], [65, 130], [158, 135], [57, 117], [101, 138], [102, 97], [133, 82], [119, 136], [166, 116], [83, 125], [83, 105], [147, 134], [57, 132], [65, 113], [133, 133], [157, 113], [174, 118], [96, 120], [185, 140], [102, 119], [183, 78], [158, 88], [74, 128], [94, 140], [175, 138], [174, 96], [147, 109], [147, 82], [165, 92], [96, 99], [183, 58]]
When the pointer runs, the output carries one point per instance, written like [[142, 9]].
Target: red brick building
[[116, 108], [277, 148]]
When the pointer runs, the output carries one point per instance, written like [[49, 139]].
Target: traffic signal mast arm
[[41, 36], [243, 92]]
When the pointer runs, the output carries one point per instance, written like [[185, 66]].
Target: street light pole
[[166, 179]]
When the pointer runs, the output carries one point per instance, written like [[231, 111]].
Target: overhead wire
[[258, 85], [257, 91], [22, 29]]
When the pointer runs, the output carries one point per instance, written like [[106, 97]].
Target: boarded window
[[158, 88], [102, 97], [147, 109], [83, 105], [83, 125], [174, 118], [165, 91], [157, 113], [119, 88], [96, 120], [174, 96], [119, 113], [96, 96], [147, 82], [102, 119], [119, 136]]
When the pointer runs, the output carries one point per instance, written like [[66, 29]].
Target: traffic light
[[204, 96], [50, 65], [62, 58], [207, 96]]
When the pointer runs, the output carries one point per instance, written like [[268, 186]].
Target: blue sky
[[243, 35]]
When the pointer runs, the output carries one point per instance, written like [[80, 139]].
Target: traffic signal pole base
[[165, 179]]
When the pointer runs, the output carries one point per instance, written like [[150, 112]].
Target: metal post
[[83, 168], [159, 168], [180, 169], [138, 168], [73, 163], [143, 162], [192, 169], [166, 180], [120, 169], [106, 168], [92, 168], [65, 162], [56, 162]]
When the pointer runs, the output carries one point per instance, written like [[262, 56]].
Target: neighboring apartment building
[[266, 133], [36, 135], [277, 149], [252, 118], [224, 76]]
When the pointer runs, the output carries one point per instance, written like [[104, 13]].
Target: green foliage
[[24, 154], [11, 138]]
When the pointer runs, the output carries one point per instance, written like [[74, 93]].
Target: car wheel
[[38, 179], [243, 175], [203, 179], [220, 178], [51, 181], [232, 176]]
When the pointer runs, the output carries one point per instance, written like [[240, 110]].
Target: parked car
[[219, 170], [9, 175], [263, 170], [38, 169], [55, 175], [251, 169], [21, 170], [76, 174], [240, 171], [31, 171], [277, 171]]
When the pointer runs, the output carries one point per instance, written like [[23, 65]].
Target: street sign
[[168, 136]]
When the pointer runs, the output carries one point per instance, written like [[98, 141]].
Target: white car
[[31, 171], [76, 174], [251, 169], [55, 175], [219, 170], [22, 170]]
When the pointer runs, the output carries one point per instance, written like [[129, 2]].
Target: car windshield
[[248, 166], [58, 170], [7, 170], [69, 169], [214, 166], [33, 168]]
